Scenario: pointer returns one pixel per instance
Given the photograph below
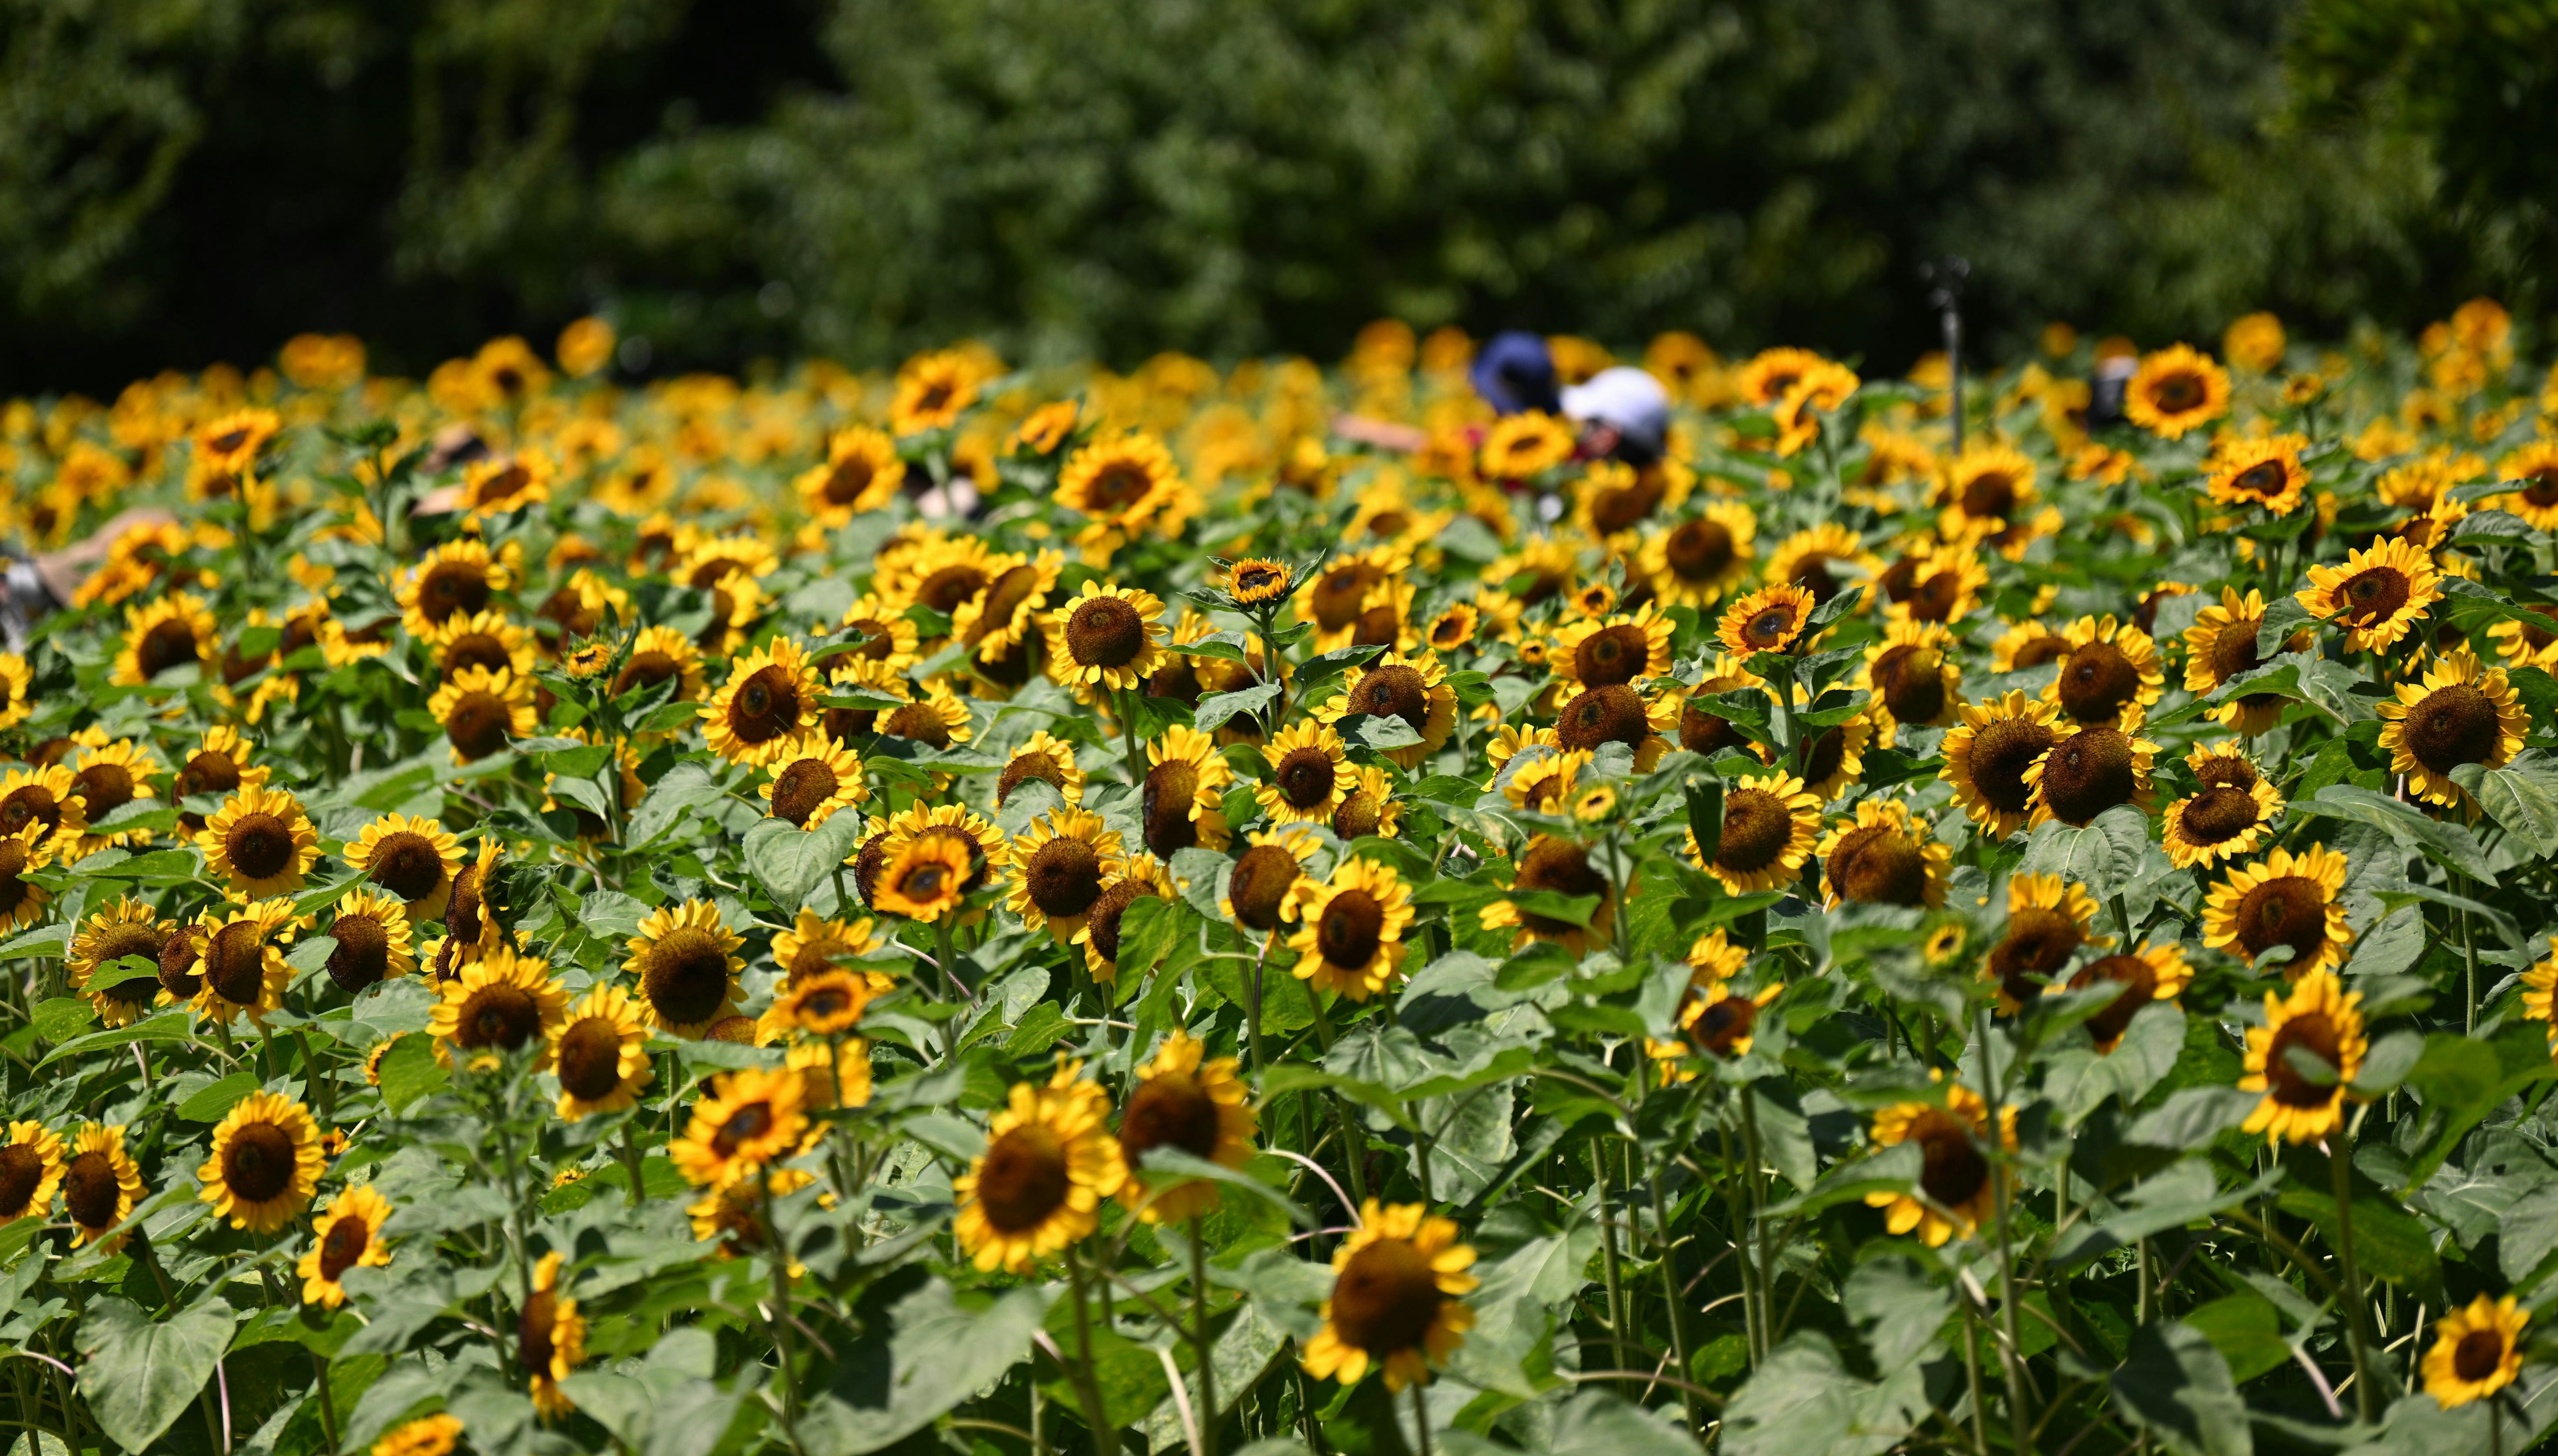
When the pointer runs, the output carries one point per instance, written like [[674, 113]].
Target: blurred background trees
[[190, 180]]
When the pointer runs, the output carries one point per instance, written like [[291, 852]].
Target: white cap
[[1631, 400]]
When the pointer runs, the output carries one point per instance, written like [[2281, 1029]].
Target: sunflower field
[[1009, 911]]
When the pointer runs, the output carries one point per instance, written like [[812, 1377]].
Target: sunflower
[[1990, 753], [2286, 900], [265, 1164], [1694, 562], [748, 1118], [1047, 758], [1309, 775], [860, 475], [1136, 878], [1258, 580], [238, 968], [2107, 668], [1178, 803], [480, 709], [1260, 890], [1561, 867], [2176, 390], [503, 1002], [31, 1168], [1524, 445], [1823, 559], [1768, 619], [2477, 1351], [1049, 1161], [1397, 1301], [551, 1340], [1007, 615], [687, 963], [100, 1185], [2537, 502], [411, 857], [812, 778], [1349, 935], [599, 1051], [483, 640], [2231, 811], [107, 776], [1186, 1100], [2459, 714], [2378, 595], [770, 696], [1884, 856], [2152, 974], [1934, 583], [126, 928], [813, 944], [2090, 769], [457, 578], [174, 631], [373, 939], [924, 880], [1108, 640], [2047, 920], [1771, 823], [347, 1236], [2264, 472], [22, 900], [1956, 1191], [2322, 1020], [2221, 644], [1911, 676]]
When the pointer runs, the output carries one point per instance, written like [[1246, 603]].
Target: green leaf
[[789, 861], [139, 1377], [2176, 1386]]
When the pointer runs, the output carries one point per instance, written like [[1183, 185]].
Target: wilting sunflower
[[457, 578], [861, 473], [1047, 758], [1769, 825], [812, 778], [1934, 583], [2047, 920], [686, 960], [1911, 677], [1107, 640], [2264, 472], [125, 927], [2221, 644], [1768, 619], [2090, 769], [261, 843], [1349, 935], [1522, 445], [22, 900], [770, 696], [2175, 391], [2150, 974], [100, 1185], [501, 1003], [1309, 775], [2477, 1351], [1190, 1101], [347, 1236], [31, 1168], [174, 631], [1006, 616], [2107, 668], [747, 1119], [1958, 1190], [551, 1340], [2322, 1020], [1990, 753], [1260, 889], [480, 709], [2459, 714], [2286, 900], [481, 640], [600, 1053], [1179, 802], [1561, 867], [413, 858], [374, 941], [265, 1164], [1058, 869], [2231, 811], [1137, 877], [240, 965], [1397, 1301], [1414, 690], [2378, 595], [1694, 562], [1884, 856], [1049, 1161]]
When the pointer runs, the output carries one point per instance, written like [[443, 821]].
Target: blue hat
[[1516, 372]]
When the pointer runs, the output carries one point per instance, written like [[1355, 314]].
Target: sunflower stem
[[1204, 1338], [2341, 1161]]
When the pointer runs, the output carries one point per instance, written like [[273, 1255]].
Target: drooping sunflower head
[[501, 1004], [481, 708], [2476, 1351], [1989, 754], [687, 960], [1349, 935], [2287, 901], [2459, 714], [260, 841], [2320, 1024], [1186, 1100], [1884, 856], [600, 1053], [2175, 391], [1769, 620], [769, 698], [1397, 1302], [265, 1164], [373, 940]]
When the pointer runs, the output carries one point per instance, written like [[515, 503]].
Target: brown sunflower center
[[258, 1163], [1170, 1110], [2372, 595], [1879, 865], [407, 864], [1616, 655], [2264, 479], [2096, 681], [1951, 1168], [2217, 815], [344, 1242], [1305, 776], [1165, 803], [2089, 773], [2039, 942], [20, 1172], [685, 976], [2288, 909], [452, 588], [590, 1059], [1992, 493], [766, 707], [169, 643], [2453, 725], [1105, 632], [2140, 986], [1561, 866], [2001, 752], [1723, 1025], [2315, 1034], [91, 1191], [206, 773], [1610, 713], [235, 962], [498, 1015], [1911, 679], [1703, 732], [30, 803], [1064, 877], [1351, 929], [1023, 1179], [1699, 550], [364, 954], [104, 788], [1109, 907], [2479, 1354], [1386, 1297], [1757, 826], [1259, 885]]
